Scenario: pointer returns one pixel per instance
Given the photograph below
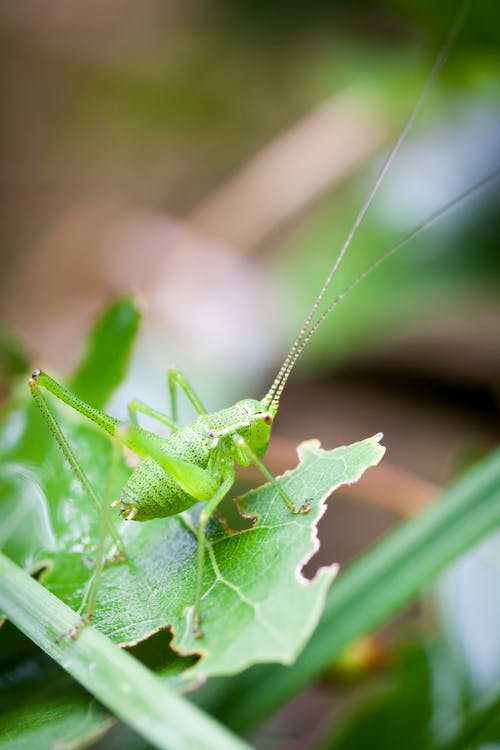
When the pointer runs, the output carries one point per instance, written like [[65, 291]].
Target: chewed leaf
[[257, 606]]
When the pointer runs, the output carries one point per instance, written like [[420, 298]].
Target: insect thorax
[[248, 418], [154, 493]]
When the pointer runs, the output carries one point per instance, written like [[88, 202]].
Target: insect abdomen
[[152, 491]]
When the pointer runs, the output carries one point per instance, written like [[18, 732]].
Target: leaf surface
[[256, 607]]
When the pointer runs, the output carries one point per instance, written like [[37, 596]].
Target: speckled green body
[[155, 494]]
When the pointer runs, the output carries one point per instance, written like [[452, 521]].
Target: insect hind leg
[[105, 523]]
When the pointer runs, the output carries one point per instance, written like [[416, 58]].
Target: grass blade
[[118, 680]]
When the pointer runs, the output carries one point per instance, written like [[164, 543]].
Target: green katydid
[[196, 463]]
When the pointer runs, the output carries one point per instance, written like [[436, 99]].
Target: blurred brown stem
[[291, 171]]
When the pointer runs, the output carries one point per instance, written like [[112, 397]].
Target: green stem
[[116, 678]]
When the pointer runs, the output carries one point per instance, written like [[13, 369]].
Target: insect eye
[[267, 417]]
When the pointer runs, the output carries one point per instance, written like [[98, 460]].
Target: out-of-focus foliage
[[426, 690], [41, 706], [374, 587], [118, 116]]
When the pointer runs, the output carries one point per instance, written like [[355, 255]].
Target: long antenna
[[432, 219], [272, 397]]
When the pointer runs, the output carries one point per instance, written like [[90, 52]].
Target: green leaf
[[253, 576], [32, 686], [374, 587], [42, 707], [35, 480], [269, 611], [105, 362], [257, 607], [119, 681]]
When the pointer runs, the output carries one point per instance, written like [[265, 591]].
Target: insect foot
[[75, 631], [197, 631], [115, 556], [304, 508]]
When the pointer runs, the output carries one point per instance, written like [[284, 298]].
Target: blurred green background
[[211, 156]]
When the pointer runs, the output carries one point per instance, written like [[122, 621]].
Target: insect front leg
[[176, 380], [241, 444]]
